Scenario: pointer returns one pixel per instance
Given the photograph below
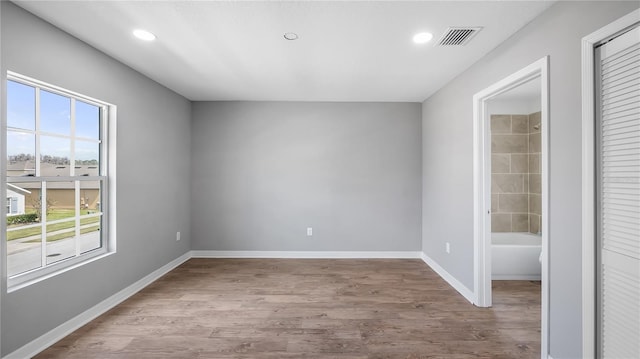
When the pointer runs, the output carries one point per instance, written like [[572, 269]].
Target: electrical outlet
[[177, 236], [309, 231], [448, 247]]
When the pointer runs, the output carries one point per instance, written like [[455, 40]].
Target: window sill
[[26, 279]]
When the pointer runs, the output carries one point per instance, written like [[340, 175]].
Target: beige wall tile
[[534, 223], [535, 204], [535, 185], [516, 180], [501, 123], [519, 124], [514, 203], [534, 143], [501, 163], [534, 163], [510, 143], [519, 163], [507, 183], [520, 222], [534, 121], [494, 203], [500, 223]]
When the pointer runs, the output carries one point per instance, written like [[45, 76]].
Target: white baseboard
[[304, 254], [461, 288], [43, 342]]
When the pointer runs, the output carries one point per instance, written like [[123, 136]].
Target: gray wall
[[448, 180], [265, 171], [153, 174]]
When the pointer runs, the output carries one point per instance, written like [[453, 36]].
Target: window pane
[[91, 220], [87, 120], [21, 154], [21, 106], [90, 197], [55, 113], [24, 241], [87, 158], [54, 156], [61, 205], [61, 240], [61, 200]]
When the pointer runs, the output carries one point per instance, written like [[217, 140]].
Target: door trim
[[589, 43], [482, 187]]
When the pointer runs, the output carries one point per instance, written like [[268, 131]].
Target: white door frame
[[588, 176], [482, 187]]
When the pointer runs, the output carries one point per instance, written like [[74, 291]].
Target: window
[[12, 205], [57, 179]]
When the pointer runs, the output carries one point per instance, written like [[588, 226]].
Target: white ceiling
[[235, 50]]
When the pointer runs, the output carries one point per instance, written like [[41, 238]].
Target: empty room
[[320, 179]]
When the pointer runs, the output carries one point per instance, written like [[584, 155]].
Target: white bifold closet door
[[618, 157]]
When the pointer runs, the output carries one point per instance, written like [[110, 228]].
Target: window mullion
[[77, 206], [104, 182], [43, 220], [103, 149], [104, 211], [72, 156], [37, 132]]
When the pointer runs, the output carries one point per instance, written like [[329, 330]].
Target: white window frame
[[106, 177]]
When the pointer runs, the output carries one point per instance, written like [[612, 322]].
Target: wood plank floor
[[291, 308]]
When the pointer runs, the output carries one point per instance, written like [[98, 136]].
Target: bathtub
[[515, 256]]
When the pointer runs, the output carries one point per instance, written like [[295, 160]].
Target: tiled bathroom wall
[[515, 173]]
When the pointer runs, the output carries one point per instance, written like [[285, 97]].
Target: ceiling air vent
[[458, 36]]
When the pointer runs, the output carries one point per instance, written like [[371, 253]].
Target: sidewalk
[[27, 256], [14, 246]]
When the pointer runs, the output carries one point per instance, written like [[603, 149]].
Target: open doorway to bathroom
[[516, 203], [511, 192], [516, 186]]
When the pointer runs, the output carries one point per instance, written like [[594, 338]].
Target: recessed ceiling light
[[144, 35], [422, 37], [291, 36]]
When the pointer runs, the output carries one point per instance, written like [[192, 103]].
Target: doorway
[[536, 75]]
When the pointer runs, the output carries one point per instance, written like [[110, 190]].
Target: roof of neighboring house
[[14, 188], [27, 168]]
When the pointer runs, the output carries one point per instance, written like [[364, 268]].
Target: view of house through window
[[56, 177]]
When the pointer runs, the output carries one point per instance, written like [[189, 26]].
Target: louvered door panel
[[619, 197]]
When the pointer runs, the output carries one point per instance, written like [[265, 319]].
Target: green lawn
[[56, 214], [59, 236]]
